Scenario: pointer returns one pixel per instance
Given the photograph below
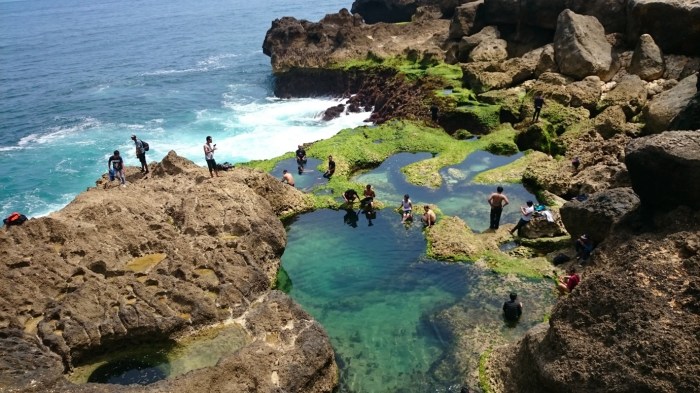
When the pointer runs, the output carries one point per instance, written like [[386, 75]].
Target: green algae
[[483, 376], [509, 173], [505, 264]]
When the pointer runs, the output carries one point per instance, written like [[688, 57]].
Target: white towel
[[548, 215]]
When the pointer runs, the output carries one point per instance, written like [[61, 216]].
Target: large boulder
[[539, 226], [597, 215], [664, 107], [665, 169], [464, 20], [490, 50], [610, 122], [647, 60], [672, 23], [580, 46]]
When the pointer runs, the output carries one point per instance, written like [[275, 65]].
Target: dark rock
[[672, 23], [647, 60], [333, 112], [664, 107], [665, 169], [598, 215], [464, 20]]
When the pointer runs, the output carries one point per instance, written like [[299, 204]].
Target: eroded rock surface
[[580, 46], [172, 251]]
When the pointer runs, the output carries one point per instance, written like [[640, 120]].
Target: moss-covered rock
[[509, 173]]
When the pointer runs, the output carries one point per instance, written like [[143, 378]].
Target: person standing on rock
[[140, 153], [331, 168], [287, 178], [512, 309], [527, 211], [497, 201], [115, 165], [209, 156], [539, 102]]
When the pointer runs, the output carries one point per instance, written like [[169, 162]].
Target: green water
[[392, 314]]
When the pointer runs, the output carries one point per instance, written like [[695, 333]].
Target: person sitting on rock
[[512, 309], [331, 168], [369, 196], [407, 208], [527, 211], [584, 247], [429, 217], [350, 195], [569, 282]]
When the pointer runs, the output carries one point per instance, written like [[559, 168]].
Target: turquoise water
[[77, 78], [458, 195]]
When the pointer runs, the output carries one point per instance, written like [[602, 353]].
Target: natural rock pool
[[399, 321]]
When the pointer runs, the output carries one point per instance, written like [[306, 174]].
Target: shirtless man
[[287, 178], [369, 196], [497, 200], [429, 217]]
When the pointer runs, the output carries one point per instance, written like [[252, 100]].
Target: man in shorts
[[115, 165]]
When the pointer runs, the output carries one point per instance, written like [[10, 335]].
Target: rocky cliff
[[172, 252]]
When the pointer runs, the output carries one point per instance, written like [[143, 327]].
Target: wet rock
[[580, 47], [333, 112], [665, 169], [647, 60], [599, 214], [664, 107]]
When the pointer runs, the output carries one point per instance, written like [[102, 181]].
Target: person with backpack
[[512, 309], [141, 149], [115, 166]]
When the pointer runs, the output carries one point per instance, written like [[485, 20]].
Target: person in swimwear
[[287, 177], [407, 207]]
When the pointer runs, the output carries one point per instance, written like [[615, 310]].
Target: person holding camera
[[209, 156]]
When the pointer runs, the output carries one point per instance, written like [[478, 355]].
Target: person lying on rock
[[512, 309], [569, 282], [429, 217]]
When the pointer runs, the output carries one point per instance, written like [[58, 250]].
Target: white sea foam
[[211, 63], [56, 133]]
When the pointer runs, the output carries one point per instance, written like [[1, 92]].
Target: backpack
[[145, 145], [15, 219]]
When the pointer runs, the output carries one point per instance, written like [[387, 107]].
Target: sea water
[[78, 78]]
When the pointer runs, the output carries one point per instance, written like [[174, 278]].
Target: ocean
[[77, 78]]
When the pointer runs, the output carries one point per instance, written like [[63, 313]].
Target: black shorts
[[211, 164], [142, 158]]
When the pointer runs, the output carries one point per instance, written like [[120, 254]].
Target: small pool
[[309, 178]]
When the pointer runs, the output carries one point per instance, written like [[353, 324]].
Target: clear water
[[458, 196], [382, 302], [77, 78]]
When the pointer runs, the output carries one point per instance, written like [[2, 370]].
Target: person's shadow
[[351, 217]]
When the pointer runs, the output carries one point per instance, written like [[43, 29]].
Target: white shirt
[[529, 211], [208, 151]]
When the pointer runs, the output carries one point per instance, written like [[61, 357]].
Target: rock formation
[[580, 47], [171, 252]]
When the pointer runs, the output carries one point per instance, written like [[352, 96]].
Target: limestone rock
[[490, 50], [689, 117], [666, 106], [547, 61], [396, 11], [672, 23], [598, 215], [173, 251], [610, 122], [665, 169], [630, 94], [647, 60], [580, 46], [539, 227], [585, 93], [464, 20], [468, 43]]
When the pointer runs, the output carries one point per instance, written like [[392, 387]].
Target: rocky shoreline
[[615, 77], [176, 252]]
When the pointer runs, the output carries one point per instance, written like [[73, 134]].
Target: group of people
[[301, 159], [115, 163]]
